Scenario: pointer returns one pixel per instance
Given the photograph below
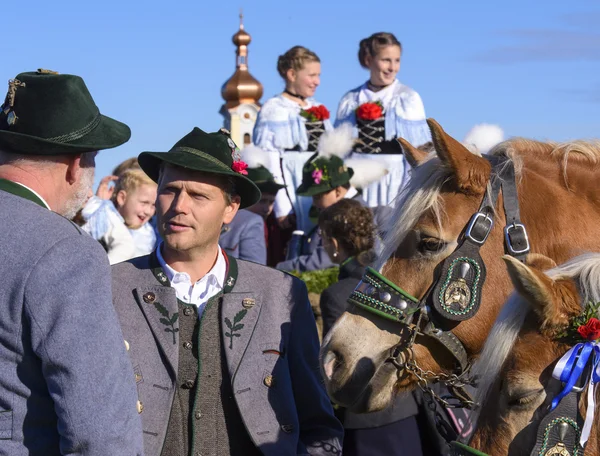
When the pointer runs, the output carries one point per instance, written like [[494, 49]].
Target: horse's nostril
[[329, 364]]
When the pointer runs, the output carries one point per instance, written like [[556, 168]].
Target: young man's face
[[265, 206], [192, 208], [137, 206]]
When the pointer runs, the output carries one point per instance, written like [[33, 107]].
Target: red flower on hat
[[591, 330], [370, 111], [240, 167]]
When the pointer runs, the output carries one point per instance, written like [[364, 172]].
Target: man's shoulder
[[136, 268], [248, 271], [27, 224], [244, 217]]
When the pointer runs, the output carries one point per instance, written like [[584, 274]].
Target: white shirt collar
[[351, 193], [34, 192], [200, 292]]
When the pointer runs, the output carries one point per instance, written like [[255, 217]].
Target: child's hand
[[104, 190]]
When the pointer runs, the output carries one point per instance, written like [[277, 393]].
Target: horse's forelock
[[420, 194]]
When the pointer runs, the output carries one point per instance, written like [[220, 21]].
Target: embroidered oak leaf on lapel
[[167, 320], [235, 326]]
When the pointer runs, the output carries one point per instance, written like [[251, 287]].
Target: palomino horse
[[366, 359], [534, 330]]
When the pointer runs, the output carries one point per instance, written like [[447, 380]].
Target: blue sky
[[530, 66]]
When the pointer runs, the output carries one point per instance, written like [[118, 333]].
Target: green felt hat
[[322, 174], [213, 153], [264, 180], [46, 113]]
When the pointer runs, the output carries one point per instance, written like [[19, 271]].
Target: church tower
[[242, 93]]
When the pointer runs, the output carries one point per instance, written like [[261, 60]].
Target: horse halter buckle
[[476, 221]]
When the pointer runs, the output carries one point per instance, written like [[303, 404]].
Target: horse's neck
[[561, 221]]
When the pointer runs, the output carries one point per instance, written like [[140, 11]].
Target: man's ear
[[74, 169], [232, 209]]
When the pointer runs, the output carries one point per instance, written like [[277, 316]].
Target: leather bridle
[[455, 294]]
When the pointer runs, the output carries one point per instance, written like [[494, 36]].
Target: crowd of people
[[155, 317]]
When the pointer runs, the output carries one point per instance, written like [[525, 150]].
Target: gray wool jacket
[[287, 414], [66, 383]]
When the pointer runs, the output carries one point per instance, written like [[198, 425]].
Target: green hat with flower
[[212, 153], [321, 174]]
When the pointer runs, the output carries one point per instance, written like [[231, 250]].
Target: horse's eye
[[525, 398], [431, 245]]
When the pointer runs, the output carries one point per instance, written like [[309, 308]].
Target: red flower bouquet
[[591, 330], [370, 111], [315, 114]]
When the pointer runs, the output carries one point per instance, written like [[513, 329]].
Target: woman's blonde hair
[[296, 58]]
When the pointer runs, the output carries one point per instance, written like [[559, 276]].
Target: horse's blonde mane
[[584, 270], [422, 193]]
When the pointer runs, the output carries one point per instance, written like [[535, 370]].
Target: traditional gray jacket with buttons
[[272, 359]]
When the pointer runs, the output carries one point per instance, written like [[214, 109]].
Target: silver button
[[187, 345]]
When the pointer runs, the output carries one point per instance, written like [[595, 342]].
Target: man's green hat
[[212, 153], [322, 174], [46, 113], [264, 180]]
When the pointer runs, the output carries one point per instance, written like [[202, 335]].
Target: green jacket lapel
[[23, 192], [239, 314]]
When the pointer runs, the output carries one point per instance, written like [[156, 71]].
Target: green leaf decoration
[[239, 316], [318, 281], [235, 326], [168, 321], [162, 309]]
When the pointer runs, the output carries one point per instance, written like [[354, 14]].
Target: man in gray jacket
[[66, 384], [224, 351]]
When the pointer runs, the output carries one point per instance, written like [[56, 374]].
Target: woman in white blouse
[[292, 122], [401, 112]]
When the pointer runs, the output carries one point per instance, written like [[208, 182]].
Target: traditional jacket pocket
[[6, 424]]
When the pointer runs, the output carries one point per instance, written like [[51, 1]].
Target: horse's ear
[[470, 171], [540, 262], [413, 155], [554, 302], [532, 284]]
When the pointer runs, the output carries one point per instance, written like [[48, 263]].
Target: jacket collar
[[23, 191], [351, 268]]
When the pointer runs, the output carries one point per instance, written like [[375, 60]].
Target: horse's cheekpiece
[[455, 294]]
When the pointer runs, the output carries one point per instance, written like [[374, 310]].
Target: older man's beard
[[81, 195]]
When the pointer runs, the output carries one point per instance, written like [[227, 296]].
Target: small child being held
[[121, 223]]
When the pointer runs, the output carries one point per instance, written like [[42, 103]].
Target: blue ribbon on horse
[[570, 367]]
